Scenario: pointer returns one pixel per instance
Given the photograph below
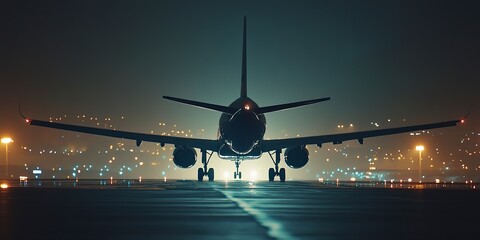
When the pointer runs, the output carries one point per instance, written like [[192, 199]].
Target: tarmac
[[175, 209]]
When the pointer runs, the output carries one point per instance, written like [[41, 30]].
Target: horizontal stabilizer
[[210, 106], [289, 105]]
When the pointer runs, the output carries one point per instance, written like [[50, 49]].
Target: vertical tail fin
[[243, 92]]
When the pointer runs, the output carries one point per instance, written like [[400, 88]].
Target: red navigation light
[[462, 121], [27, 120]]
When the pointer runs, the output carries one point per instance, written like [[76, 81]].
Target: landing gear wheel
[[282, 174], [234, 175], [271, 174], [200, 174], [211, 175], [239, 175]]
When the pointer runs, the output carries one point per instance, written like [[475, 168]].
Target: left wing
[[277, 144], [204, 144]]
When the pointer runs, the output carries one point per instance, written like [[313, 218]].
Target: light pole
[[6, 141], [419, 148]]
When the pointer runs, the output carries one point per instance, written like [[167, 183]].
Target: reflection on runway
[[151, 209]]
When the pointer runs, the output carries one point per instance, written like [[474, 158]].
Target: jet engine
[[296, 157], [184, 157]]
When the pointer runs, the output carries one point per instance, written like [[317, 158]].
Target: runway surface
[[129, 209]]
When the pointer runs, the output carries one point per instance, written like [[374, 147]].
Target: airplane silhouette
[[242, 127]]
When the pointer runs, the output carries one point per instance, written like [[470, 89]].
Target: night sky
[[383, 63]]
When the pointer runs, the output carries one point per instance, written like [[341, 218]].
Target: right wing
[[204, 144], [276, 144]]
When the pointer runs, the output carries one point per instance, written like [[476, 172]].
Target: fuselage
[[240, 133]]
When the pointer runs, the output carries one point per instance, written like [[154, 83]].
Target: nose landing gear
[[237, 173]]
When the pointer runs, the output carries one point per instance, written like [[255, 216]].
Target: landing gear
[[237, 173], [203, 171], [272, 172]]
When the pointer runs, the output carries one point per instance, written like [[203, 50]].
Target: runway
[[154, 209]]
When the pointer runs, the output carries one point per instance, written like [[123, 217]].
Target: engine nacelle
[[184, 157], [296, 157]]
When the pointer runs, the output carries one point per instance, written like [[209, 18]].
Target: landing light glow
[[247, 107], [253, 176]]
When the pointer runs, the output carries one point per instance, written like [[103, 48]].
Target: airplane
[[241, 131]]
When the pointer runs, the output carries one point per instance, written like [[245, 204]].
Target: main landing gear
[[272, 172], [203, 171], [237, 173]]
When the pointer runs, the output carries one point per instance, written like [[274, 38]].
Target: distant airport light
[[37, 171], [420, 148], [6, 141], [4, 186]]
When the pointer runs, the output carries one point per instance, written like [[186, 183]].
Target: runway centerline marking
[[275, 228]]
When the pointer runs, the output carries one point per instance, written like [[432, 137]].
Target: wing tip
[[27, 120]]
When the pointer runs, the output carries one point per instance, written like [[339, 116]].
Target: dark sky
[[377, 60]]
